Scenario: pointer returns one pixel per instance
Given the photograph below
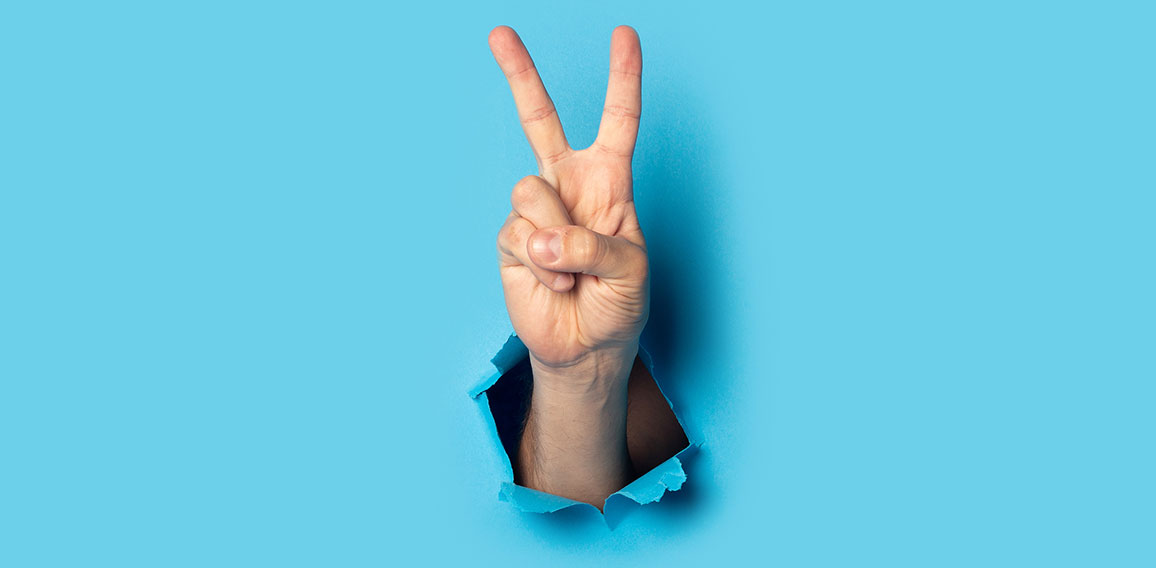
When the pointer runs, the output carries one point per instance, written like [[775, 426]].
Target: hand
[[572, 256], [575, 276]]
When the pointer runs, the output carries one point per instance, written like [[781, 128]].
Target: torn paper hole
[[659, 446]]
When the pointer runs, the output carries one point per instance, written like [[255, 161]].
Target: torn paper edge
[[649, 488]]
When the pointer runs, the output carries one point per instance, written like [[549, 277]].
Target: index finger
[[535, 109]]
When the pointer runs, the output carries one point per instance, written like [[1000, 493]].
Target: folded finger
[[512, 248], [537, 201]]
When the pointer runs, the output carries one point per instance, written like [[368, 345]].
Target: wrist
[[595, 375]]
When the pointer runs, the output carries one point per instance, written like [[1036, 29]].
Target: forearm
[[574, 442]]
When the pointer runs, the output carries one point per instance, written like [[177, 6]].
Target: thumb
[[570, 248]]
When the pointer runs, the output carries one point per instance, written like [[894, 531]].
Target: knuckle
[[538, 114], [520, 231], [507, 235], [582, 246], [601, 250], [525, 192], [639, 265], [502, 234]]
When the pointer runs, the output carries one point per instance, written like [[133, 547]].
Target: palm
[[594, 186]]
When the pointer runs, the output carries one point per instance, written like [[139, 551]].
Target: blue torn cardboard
[[648, 488]]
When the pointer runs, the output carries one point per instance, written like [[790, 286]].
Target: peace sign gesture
[[572, 256]]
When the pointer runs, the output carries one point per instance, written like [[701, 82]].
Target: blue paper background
[[903, 261]]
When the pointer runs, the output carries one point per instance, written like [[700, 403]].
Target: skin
[[576, 280]]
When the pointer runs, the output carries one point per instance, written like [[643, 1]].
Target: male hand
[[574, 272], [572, 256]]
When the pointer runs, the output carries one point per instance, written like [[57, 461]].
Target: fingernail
[[547, 247], [562, 281]]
